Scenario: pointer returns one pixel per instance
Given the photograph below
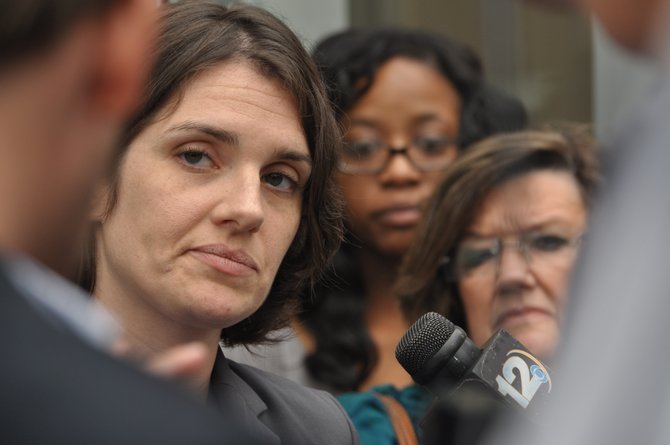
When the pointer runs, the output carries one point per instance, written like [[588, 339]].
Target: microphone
[[439, 355]]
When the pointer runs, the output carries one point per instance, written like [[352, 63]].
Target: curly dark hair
[[196, 36], [348, 61], [467, 183]]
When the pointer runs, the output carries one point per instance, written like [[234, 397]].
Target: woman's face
[[523, 288], [209, 201], [408, 101]]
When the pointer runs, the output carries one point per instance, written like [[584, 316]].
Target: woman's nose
[[240, 203], [399, 171], [513, 267]]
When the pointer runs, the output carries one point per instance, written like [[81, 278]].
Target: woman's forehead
[[235, 98], [533, 200]]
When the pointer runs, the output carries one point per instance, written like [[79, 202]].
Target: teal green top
[[369, 416]]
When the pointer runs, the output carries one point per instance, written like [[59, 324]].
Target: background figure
[[408, 101], [222, 209], [500, 237], [614, 364], [71, 73], [497, 245]]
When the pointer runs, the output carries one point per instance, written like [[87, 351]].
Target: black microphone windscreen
[[422, 341]]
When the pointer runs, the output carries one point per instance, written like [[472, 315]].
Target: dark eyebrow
[[363, 122], [551, 223], [291, 155], [231, 138], [427, 117], [472, 234], [222, 135], [417, 120]]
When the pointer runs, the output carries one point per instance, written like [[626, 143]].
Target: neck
[[379, 272], [150, 334], [384, 319]]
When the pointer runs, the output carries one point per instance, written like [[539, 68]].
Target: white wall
[[310, 19], [621, 81]]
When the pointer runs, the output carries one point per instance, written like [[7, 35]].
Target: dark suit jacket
[[57, 389], [277, 409]]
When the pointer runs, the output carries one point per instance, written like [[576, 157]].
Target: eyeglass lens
[[371, 156], [482, 257]]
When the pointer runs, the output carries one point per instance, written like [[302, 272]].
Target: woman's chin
[[541, 342], [217, 315]]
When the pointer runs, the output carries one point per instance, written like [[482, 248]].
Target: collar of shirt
[[60, 301]]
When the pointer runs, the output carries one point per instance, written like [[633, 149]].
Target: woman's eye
[[471, 258], [432, 146], [280, 181], [196, 158], [360, 149], [548, 243]]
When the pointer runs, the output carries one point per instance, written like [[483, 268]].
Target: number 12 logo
[[531, 377]]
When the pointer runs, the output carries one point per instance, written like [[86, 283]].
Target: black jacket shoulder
[[293, 413]]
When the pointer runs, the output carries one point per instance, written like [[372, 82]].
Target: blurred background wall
[[559, 63], [310, 19]]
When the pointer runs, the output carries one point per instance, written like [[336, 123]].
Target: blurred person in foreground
[[494, 250], [70, 74], [614, 362], [409, 102], [223, 209]]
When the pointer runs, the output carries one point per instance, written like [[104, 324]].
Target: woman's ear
[[100, 203]]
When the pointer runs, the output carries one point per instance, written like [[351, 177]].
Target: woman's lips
[[401, 216], [228, 261], [515, 317]]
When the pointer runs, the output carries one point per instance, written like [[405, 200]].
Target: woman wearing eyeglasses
[[501, 236]]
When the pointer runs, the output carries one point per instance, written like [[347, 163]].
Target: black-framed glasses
[[370, 157], [481, 258]]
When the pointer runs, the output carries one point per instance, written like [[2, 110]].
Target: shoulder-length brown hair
[[196, 36], [455, 201]]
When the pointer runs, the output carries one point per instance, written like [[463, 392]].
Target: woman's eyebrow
[[362, 122], [424, 118], [231, 138], [225, 136], [294, 155], [473, 234]]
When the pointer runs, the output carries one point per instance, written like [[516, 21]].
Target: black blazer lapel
[[233, 397]]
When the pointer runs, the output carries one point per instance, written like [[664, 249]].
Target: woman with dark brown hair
[[223, 209], [494, 250]]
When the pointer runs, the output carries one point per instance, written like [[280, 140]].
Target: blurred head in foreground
[[71, 72]]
